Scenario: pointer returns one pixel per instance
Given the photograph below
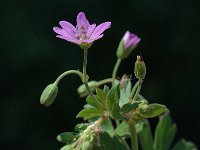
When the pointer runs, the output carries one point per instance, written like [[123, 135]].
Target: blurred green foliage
[[32, 57]]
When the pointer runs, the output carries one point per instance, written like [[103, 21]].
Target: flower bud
[[144, 108], [83, 91], [65, 137], [127, 44], [49, 94], [140, 68]]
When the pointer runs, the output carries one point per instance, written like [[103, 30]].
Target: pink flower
[[127, 44], [83, 34], [130, 40]]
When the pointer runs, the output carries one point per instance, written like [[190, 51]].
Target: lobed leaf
[[101, 96], [113, 97], [128, 107], [89, 113], [125, 93], [146, 137], [164, 133], [184, 145]]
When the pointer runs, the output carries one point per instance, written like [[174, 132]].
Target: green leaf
[[139, 126], [119, 143], [123, 129], [184, 145], [113, 97], [94, 103], [164, 133], [152, 110], [111, 143], [66, 137], [106, 89], [106, 142], [89, 113], [102, 96], [146, 137], [108, 127], [125, 93], [115, 113], [128, 107]]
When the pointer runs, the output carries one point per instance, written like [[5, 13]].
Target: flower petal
[[69, 39], [59, 31], [82, 22], [68, 27], [90, 29], [97, 38], [62, 32], [100, 29]]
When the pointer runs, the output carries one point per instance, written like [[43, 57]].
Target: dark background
[[32, 57]]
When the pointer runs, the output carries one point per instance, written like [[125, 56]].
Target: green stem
[[134, 139], [138, 90], [134, 89], [114, 74], [85, 78], [67, 73], [105, 81]]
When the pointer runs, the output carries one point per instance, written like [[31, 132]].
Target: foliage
[[118, 112]]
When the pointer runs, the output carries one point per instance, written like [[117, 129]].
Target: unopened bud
[[127, 44], [49, 94], [140, 68], [65, 137], [83, 91], [144, 108]]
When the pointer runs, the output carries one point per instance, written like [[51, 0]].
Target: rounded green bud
[[49, 94], [83, 91], [140, 68], [144, 108], [65, 137]]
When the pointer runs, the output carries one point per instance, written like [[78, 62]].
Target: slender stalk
[[134, 139], [85, 66], [114, 74], [138, 90], [85, 78], [67, 73], [134, 89], [105, 81]]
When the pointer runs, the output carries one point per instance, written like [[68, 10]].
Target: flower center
[[81, 35]]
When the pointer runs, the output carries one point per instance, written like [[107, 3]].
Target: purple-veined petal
[[94, 39], [126, 37], [69, 39], [82, 22], [68, 27], [90, 29], [59, 31], [100, 29], [62, 32]]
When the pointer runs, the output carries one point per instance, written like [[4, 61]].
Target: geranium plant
[[115, 111]]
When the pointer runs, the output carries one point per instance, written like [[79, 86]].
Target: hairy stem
[[67, 73], [134, 139], [134, 89], [105, 81], [138, 90], [114, 74], [85, 78]]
